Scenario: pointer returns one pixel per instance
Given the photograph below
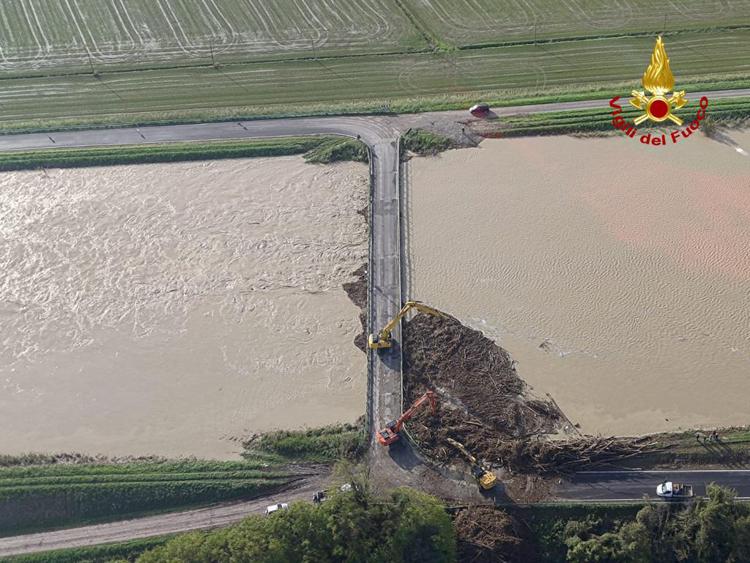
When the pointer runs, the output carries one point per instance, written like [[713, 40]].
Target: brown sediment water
[[616, 274], [169, 308]]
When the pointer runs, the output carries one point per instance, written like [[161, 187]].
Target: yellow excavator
[[383, 338], [486, 478]]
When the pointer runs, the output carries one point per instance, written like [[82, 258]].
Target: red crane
[[389, 434]]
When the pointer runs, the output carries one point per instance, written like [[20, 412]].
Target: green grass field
[[480, 22], [39, 492], [34, 497], [316, 149], [76, 34], [167, 152], [106, 553], [728, 112], [107, 62]]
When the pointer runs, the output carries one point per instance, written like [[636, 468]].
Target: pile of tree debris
[[486, 406], [486, 534]]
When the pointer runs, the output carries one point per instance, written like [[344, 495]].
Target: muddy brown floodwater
[[617, 275], [167, 309]]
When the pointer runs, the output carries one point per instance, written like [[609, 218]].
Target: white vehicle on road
[[276, 507], [670, 490]]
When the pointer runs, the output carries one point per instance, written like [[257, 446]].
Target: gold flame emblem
[[659, 81]]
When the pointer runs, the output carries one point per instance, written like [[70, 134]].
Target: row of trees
[[715, 529], [406, 526]]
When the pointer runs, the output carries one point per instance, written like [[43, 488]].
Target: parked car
[[479, 110], [276, 507]]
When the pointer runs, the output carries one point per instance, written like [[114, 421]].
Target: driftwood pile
[[486, 535], [474, 375], [486, 406], [550, 456]]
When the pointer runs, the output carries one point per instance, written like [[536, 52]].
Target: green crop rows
[[41, 496], [106, 553], [42, 35], [166, 152], [583, 121], [477, 22], [112, 62]]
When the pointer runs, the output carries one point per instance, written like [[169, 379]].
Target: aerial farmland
[[134, 61]]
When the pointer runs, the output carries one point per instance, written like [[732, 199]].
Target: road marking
[[635, 472]]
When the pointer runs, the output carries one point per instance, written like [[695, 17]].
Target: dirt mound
[[484, 404], [486, 534]]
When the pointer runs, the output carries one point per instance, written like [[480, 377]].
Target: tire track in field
[[100, 56], [383, 25], [126, 12], [316, 31], [264, 22], [172, 29], [134, 48], [40, 51], [78, 27], [605, 21], [307, 23], [234, 36]]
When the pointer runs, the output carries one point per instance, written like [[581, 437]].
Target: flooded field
[[169, 309], [616, 274]]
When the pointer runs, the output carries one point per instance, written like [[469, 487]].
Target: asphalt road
[[373, 129], [635, 485]]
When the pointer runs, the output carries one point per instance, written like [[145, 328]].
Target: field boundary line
[[427, 34], [618, 35]]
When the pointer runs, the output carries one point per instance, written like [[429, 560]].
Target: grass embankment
[[39, 491], [318, 149], [35, 497], [114, 552], [686, 450], [725, 111], [423, 142], [336, 149], [319, 445]]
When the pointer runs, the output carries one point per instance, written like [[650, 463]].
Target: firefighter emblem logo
[[658, 80]]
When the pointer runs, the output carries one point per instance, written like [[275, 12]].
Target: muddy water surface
[[616, 274], [166, 309]]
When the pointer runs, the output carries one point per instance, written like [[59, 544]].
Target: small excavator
[[383, 338], [389, 434], [486, 478]]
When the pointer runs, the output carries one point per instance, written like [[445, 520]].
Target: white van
[[276, 507]]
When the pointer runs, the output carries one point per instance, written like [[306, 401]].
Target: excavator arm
[[390, 433], [383, 338], [486, 478]]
